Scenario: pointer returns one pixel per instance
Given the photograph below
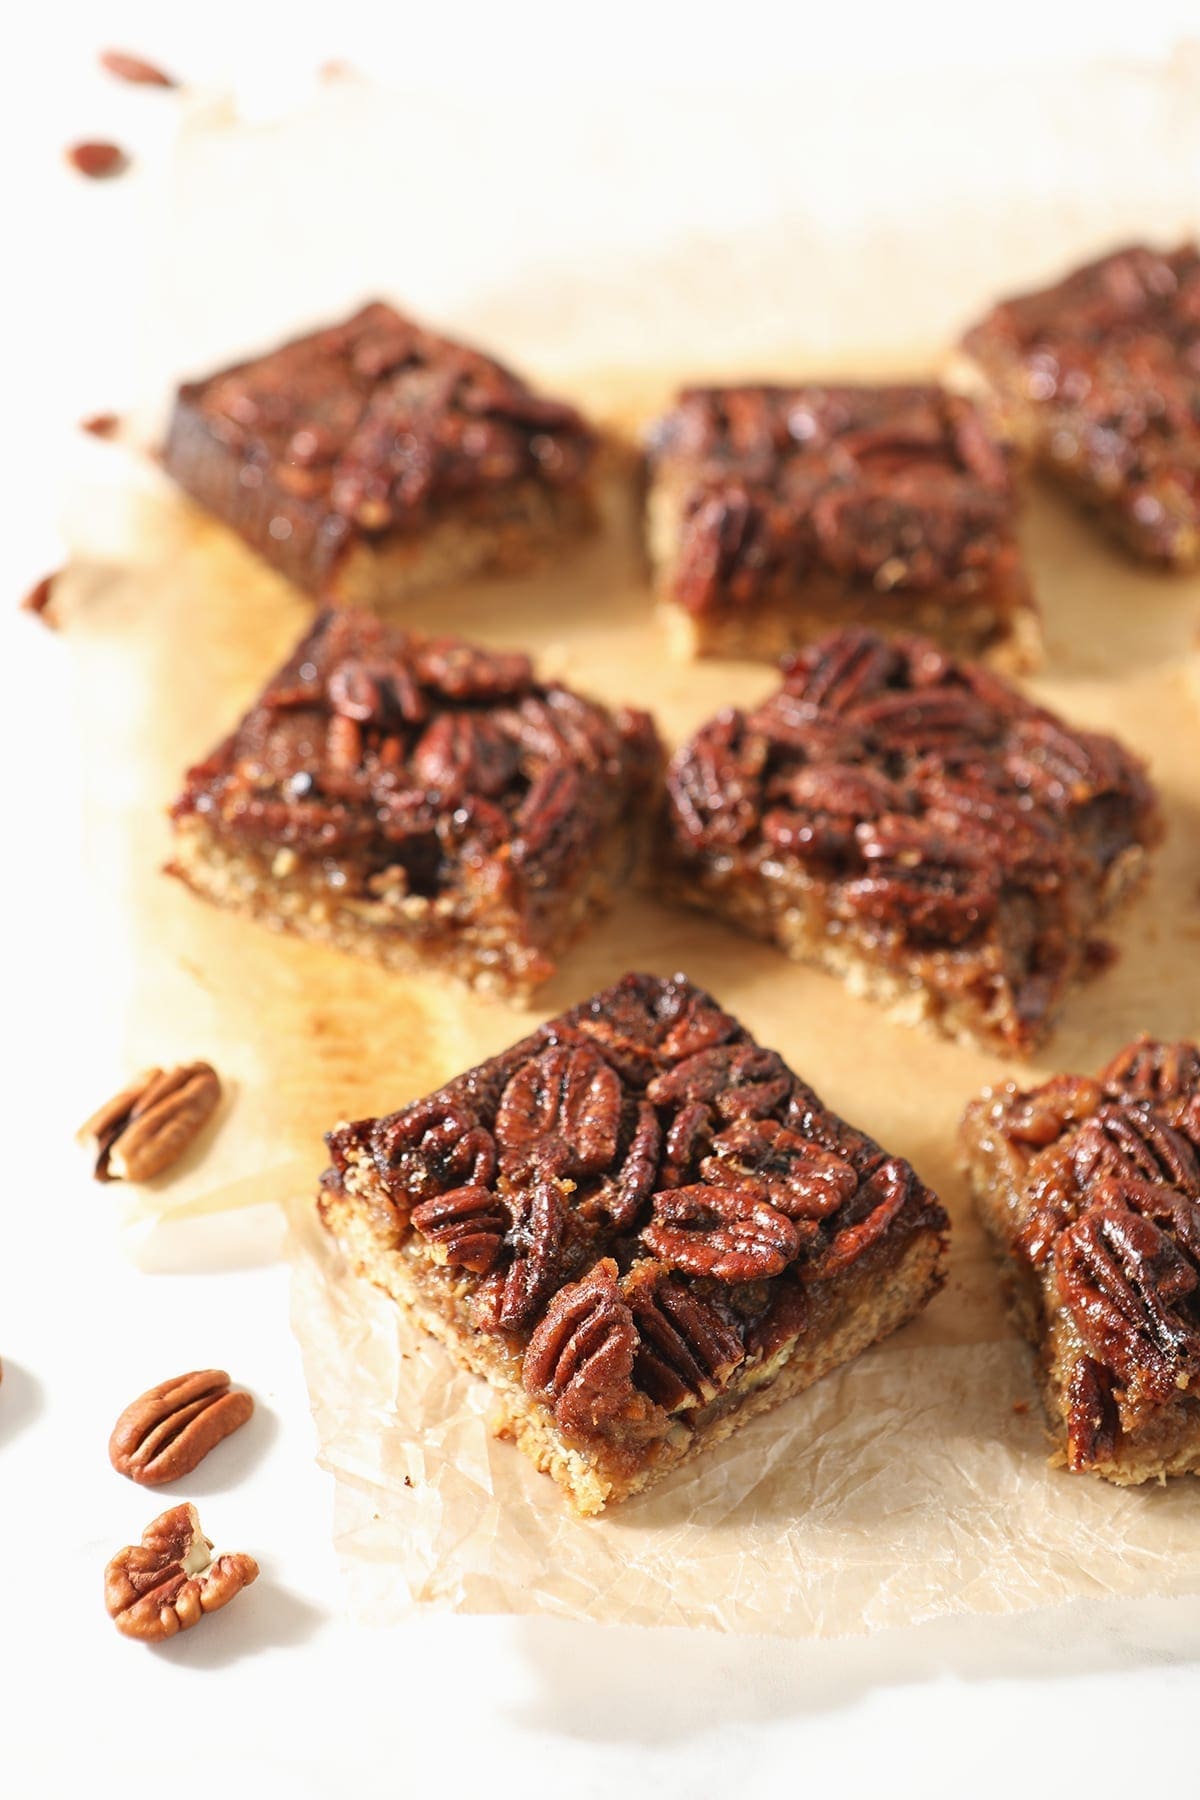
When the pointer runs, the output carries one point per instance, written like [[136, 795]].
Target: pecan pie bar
[[1099, 376], [915, 825], [375, 457], [1090, 1193], [776, 514], [640, 1227], [421, 801]]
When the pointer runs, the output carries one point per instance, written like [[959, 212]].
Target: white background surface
[[277, 1695]]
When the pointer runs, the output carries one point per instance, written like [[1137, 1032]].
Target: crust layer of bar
[[1089, 1191], [916, 826], [776, 514], [640, 1228]]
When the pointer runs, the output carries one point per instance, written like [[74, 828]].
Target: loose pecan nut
[[170, 1580], [146, 1128], [135, 69], [169, 1430], [98, 161]]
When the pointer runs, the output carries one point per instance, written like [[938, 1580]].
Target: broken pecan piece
[[730, 1232], [168, 1431], [170, 1580], [580, 1358], [146, 1128]]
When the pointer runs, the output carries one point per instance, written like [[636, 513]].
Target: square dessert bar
[[421, 801], [776, 514], [640, 1227], [374, 457], [915, 825], [1099, 376], [1090, 1194]]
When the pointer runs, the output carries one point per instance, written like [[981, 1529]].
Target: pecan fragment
[[135, 69], [580, 1358], [168, 1431], [146, 1128], [99, 161], [465, 1227], [170, 1580], [1042, 1115], [730, 1232]]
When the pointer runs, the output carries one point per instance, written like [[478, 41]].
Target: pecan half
[[1149, 1070], [135, 69], [687, 1351], [1092, 1419], [569, 1096], [169, 1430], [539, 1219], [170, 1580], [464, 753], [145, 1128], [801, 1179], [98, 161], [879, 1200], [740, 1080], [1132, 1140], [580, 1358], [465, 1227], [431, 1146], [730, 1233]]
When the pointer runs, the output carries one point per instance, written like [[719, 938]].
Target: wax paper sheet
[[915, 1482]]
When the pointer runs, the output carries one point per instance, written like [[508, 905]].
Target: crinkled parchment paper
[[915, 1482]]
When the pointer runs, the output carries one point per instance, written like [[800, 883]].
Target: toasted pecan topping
[[897, 487], [633, 1196], [424, 762], [1111, 1212], [924, 794], [375, 423]]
